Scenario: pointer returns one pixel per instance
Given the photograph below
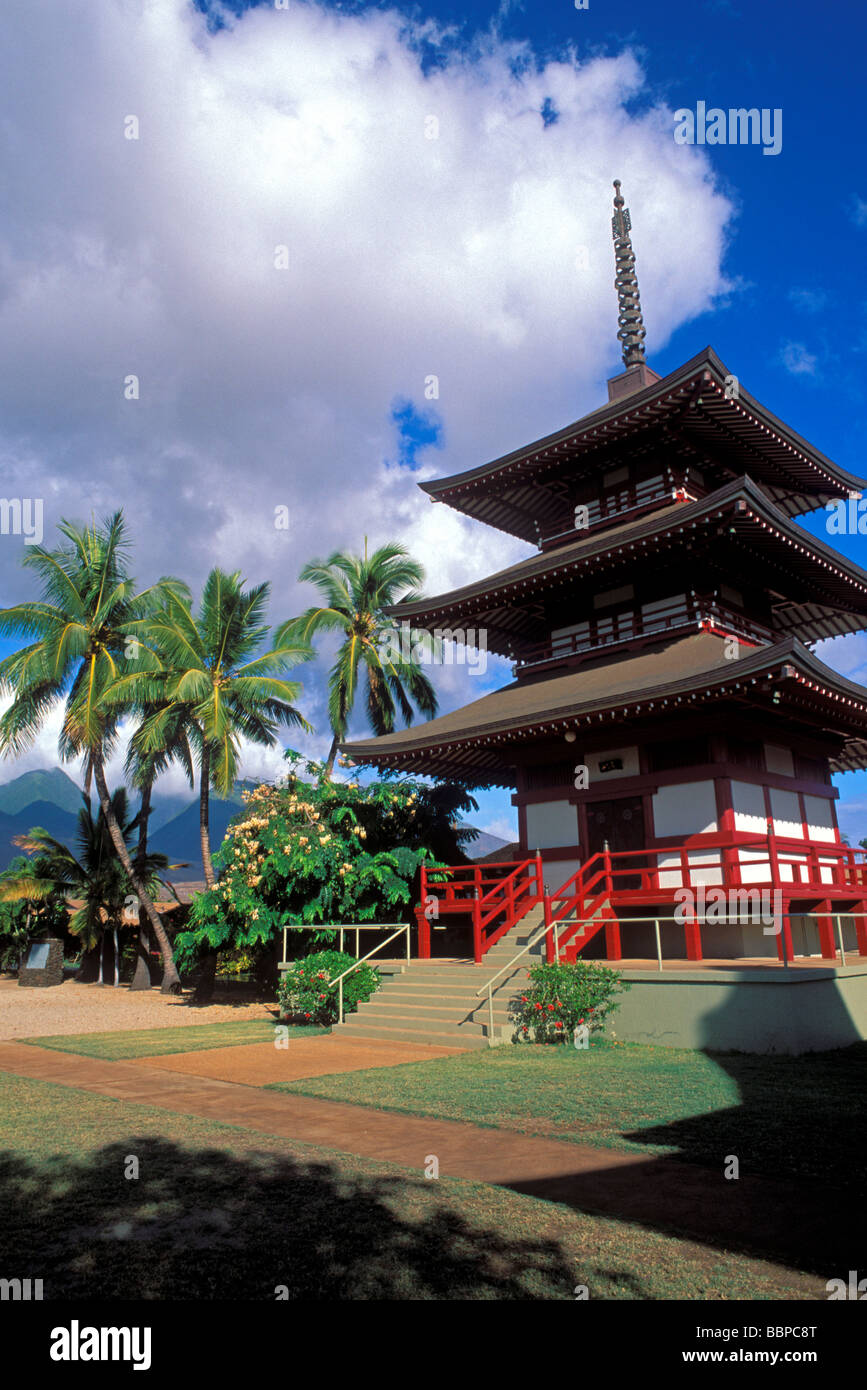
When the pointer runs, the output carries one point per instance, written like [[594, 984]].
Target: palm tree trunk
[[204, 815], [329, 761], [204, 991], [142, 977], [171, 980]]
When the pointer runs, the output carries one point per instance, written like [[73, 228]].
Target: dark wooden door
[[621, 823]]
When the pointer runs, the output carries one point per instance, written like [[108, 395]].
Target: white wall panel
[[820, 819], [551, 825], [686, 808], [786, 811], [748, 801]]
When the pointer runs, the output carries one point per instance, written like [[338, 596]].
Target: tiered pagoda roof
[[691, 412], [690, 672], [820, 593], [713, 483]]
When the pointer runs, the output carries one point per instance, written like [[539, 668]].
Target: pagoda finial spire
[[631, 330]]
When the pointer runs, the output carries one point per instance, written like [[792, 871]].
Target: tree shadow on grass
[[206, 1223]]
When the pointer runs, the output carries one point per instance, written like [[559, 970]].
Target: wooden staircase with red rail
[[811, 878]]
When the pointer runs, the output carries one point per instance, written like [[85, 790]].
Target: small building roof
[[694, 402], [473, 743]]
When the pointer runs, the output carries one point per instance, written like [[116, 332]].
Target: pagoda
[[668, 726]]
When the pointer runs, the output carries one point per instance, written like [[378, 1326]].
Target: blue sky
[[407, 257]]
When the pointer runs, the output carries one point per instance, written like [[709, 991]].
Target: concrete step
[[394, 1018], [403, 1008], [469, 1039]]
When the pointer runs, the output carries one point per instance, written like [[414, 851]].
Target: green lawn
[[219, 1212], [783, 1116], [159, 1042]]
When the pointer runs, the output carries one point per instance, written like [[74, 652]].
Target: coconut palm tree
[[81, 645], [357, 590], [142, 770], [93, 877], [214, 686]]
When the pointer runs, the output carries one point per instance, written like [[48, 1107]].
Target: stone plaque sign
[[44, 964], [38, 957]]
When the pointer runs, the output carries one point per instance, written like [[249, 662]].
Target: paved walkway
[[260, 1064], [797, 1224]]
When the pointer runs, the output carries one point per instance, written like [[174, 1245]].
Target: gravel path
[[75, 1008]]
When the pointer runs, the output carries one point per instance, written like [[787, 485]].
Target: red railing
[[495, 896], [614, 878], [697, 611]]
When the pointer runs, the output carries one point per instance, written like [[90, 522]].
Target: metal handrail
[[355, 965], [336, 926], [487, 988]]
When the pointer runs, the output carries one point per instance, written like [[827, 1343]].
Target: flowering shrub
[[561, 998], [303, 991], [310, 853]]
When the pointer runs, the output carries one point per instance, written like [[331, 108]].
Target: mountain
[[51, 799], [51, 786], [180, 839], [483, 845], [57, 822]]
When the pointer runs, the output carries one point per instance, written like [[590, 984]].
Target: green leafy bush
[[303, 992], [314, 853], [561, 998]]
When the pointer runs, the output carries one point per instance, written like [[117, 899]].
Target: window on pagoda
[[684, 752], [664, 612], [746, 752], [811, 769]]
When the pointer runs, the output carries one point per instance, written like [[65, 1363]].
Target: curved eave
[[494, 603], [477, 746], [800, 478]]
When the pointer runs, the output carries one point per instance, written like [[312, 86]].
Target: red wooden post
[[692, 935], [814, 870], [423, 924], [609, 877], [826, 931], [613, 949], [773, 857], [510, 901], [540, 880], [785, 948], [685, 881]]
